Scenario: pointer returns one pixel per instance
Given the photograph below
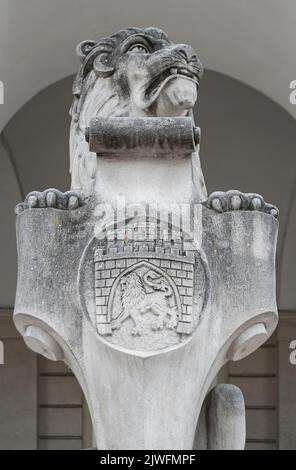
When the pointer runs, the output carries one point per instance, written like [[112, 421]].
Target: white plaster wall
[[10, 194]]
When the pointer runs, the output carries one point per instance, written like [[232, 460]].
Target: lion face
[[136, 72], [130, 282], [159, 78]]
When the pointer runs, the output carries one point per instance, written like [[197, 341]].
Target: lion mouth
[[157, 84]]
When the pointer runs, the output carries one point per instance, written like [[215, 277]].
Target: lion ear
[[102, 65], [84, 48]]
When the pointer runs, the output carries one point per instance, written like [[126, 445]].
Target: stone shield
[[144, 297]]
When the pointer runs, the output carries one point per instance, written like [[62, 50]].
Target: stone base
[[148, 373]]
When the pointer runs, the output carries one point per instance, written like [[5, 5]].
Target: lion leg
[[167, 312], [137, 330], [172, 323], [159, 323]]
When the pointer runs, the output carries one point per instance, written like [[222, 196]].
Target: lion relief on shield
[[141, 292]]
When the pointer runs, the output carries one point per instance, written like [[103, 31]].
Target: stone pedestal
[[145, 387]]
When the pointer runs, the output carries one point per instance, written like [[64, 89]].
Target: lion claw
[[53, 198], [235, 200]]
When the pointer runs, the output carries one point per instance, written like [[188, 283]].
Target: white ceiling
[[253, 41]]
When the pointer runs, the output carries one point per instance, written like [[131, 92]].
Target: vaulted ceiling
[[252, 41]]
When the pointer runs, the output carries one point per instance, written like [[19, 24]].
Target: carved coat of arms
[[146, 296]]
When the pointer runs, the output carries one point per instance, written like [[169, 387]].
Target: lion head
[[130, 282], [135, 72]]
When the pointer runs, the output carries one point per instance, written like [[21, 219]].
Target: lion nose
[[186, 52]]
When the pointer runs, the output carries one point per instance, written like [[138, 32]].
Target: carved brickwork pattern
[[112, 263]]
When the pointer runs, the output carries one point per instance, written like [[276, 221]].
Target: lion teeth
[[174, 71]]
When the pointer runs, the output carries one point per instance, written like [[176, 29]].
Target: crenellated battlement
[[149, 249]]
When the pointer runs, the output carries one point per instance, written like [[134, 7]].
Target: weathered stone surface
[[56, 291], [139, 282], [160, 153], [226, 418]]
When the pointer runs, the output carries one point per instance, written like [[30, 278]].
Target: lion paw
[[70, 200], [157, 325], [235, 200], [137, 331], [171, 324]]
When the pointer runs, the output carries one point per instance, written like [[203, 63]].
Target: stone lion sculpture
[[136, 72], [139, 72]]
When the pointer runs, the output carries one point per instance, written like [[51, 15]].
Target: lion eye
[[139, 48]]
